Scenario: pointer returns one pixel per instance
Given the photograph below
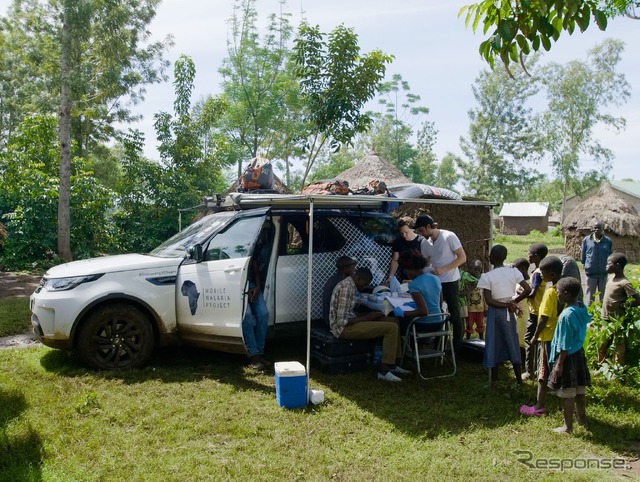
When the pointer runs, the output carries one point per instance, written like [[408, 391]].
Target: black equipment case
[[472, 350], [323, 341], [340, 364]]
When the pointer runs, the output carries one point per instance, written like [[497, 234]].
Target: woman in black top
[[408, 240]]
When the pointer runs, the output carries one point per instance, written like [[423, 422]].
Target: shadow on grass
[[423, 409], [430, 408], [20, 453], [170, 365]]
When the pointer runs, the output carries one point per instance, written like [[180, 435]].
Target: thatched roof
[[278, 185], [618, 216], [371, 167]]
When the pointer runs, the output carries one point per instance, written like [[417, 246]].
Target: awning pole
[[309, 292]]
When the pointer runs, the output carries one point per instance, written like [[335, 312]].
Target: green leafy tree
[[424, 167], [151, 194], [329, 164], [29, 197], [393, 127], [259, 86], [518, 28], [337, 80], [448, 173], [88, 61], [502, 141], [578, 94]]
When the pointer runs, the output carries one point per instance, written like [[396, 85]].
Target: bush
[[615, 332]]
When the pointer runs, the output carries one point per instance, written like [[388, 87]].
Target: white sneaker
[[388, 377], [398, 370]]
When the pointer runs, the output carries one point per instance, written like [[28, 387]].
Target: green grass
[[518, 246], [196, 415], [15, 316]]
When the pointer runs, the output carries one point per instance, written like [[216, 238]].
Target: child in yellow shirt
[[548, 313]]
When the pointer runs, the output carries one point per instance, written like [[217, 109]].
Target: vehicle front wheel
[[115, 337]]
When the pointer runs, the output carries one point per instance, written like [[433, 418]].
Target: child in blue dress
[[570, 375], [498, 286]]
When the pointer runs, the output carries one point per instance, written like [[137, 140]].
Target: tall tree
[[519, 28], [95, 56], [502, 143], [257, 83], [424, 167], [29, 196], [578, 94], [448, 174], [336, 81], [394, 125]]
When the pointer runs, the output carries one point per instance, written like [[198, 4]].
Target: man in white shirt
[[446, 253]]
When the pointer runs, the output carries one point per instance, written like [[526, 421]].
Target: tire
[[115, 337]]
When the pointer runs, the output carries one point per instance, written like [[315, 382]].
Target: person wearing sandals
[[551, 268], [498, 287], [570, 375]]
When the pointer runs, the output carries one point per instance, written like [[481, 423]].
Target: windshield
[[177, 246]]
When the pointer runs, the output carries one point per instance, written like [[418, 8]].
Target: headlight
[[66, 284]]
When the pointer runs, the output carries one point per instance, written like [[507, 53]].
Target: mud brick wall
[[472, 224]]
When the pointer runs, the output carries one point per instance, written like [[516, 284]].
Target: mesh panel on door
[[367, 252]]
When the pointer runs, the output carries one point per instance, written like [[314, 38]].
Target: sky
[[433, 51]]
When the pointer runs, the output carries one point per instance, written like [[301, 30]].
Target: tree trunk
[[64, 125], [287, 171]]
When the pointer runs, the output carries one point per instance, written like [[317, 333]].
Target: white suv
[[115, 310]]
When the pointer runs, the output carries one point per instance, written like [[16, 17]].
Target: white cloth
[[442, 252], [501, 282]]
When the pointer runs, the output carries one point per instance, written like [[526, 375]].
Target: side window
[[235, 241], [295, 242], [326, 237]]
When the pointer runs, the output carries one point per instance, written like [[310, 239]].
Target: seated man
[[347, 325], [346, 267]]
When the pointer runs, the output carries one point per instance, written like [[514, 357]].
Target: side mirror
[[195, 253]]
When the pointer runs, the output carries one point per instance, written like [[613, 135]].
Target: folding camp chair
[[437, 344]]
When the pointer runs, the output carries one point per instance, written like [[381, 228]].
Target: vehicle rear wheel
[[115, 337]]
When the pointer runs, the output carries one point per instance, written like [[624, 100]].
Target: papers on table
[[384, 303], [406, 304]]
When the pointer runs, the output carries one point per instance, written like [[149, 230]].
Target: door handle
[[231, 269]]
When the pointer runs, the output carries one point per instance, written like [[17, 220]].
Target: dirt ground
[[17, 285]]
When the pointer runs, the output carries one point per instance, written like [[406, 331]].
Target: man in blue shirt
[[596, 248]]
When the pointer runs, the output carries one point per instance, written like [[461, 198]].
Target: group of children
[[546, 322]]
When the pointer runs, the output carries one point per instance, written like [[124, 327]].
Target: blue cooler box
[[291, 384]]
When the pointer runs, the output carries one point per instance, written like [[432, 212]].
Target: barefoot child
[[551, 269], [498, 286], [570, 374]]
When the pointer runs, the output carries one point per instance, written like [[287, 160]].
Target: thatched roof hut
[[371, 167], [621, 223], [471, 222]]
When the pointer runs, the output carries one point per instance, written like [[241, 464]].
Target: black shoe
[[256, 364], [265, 362]]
